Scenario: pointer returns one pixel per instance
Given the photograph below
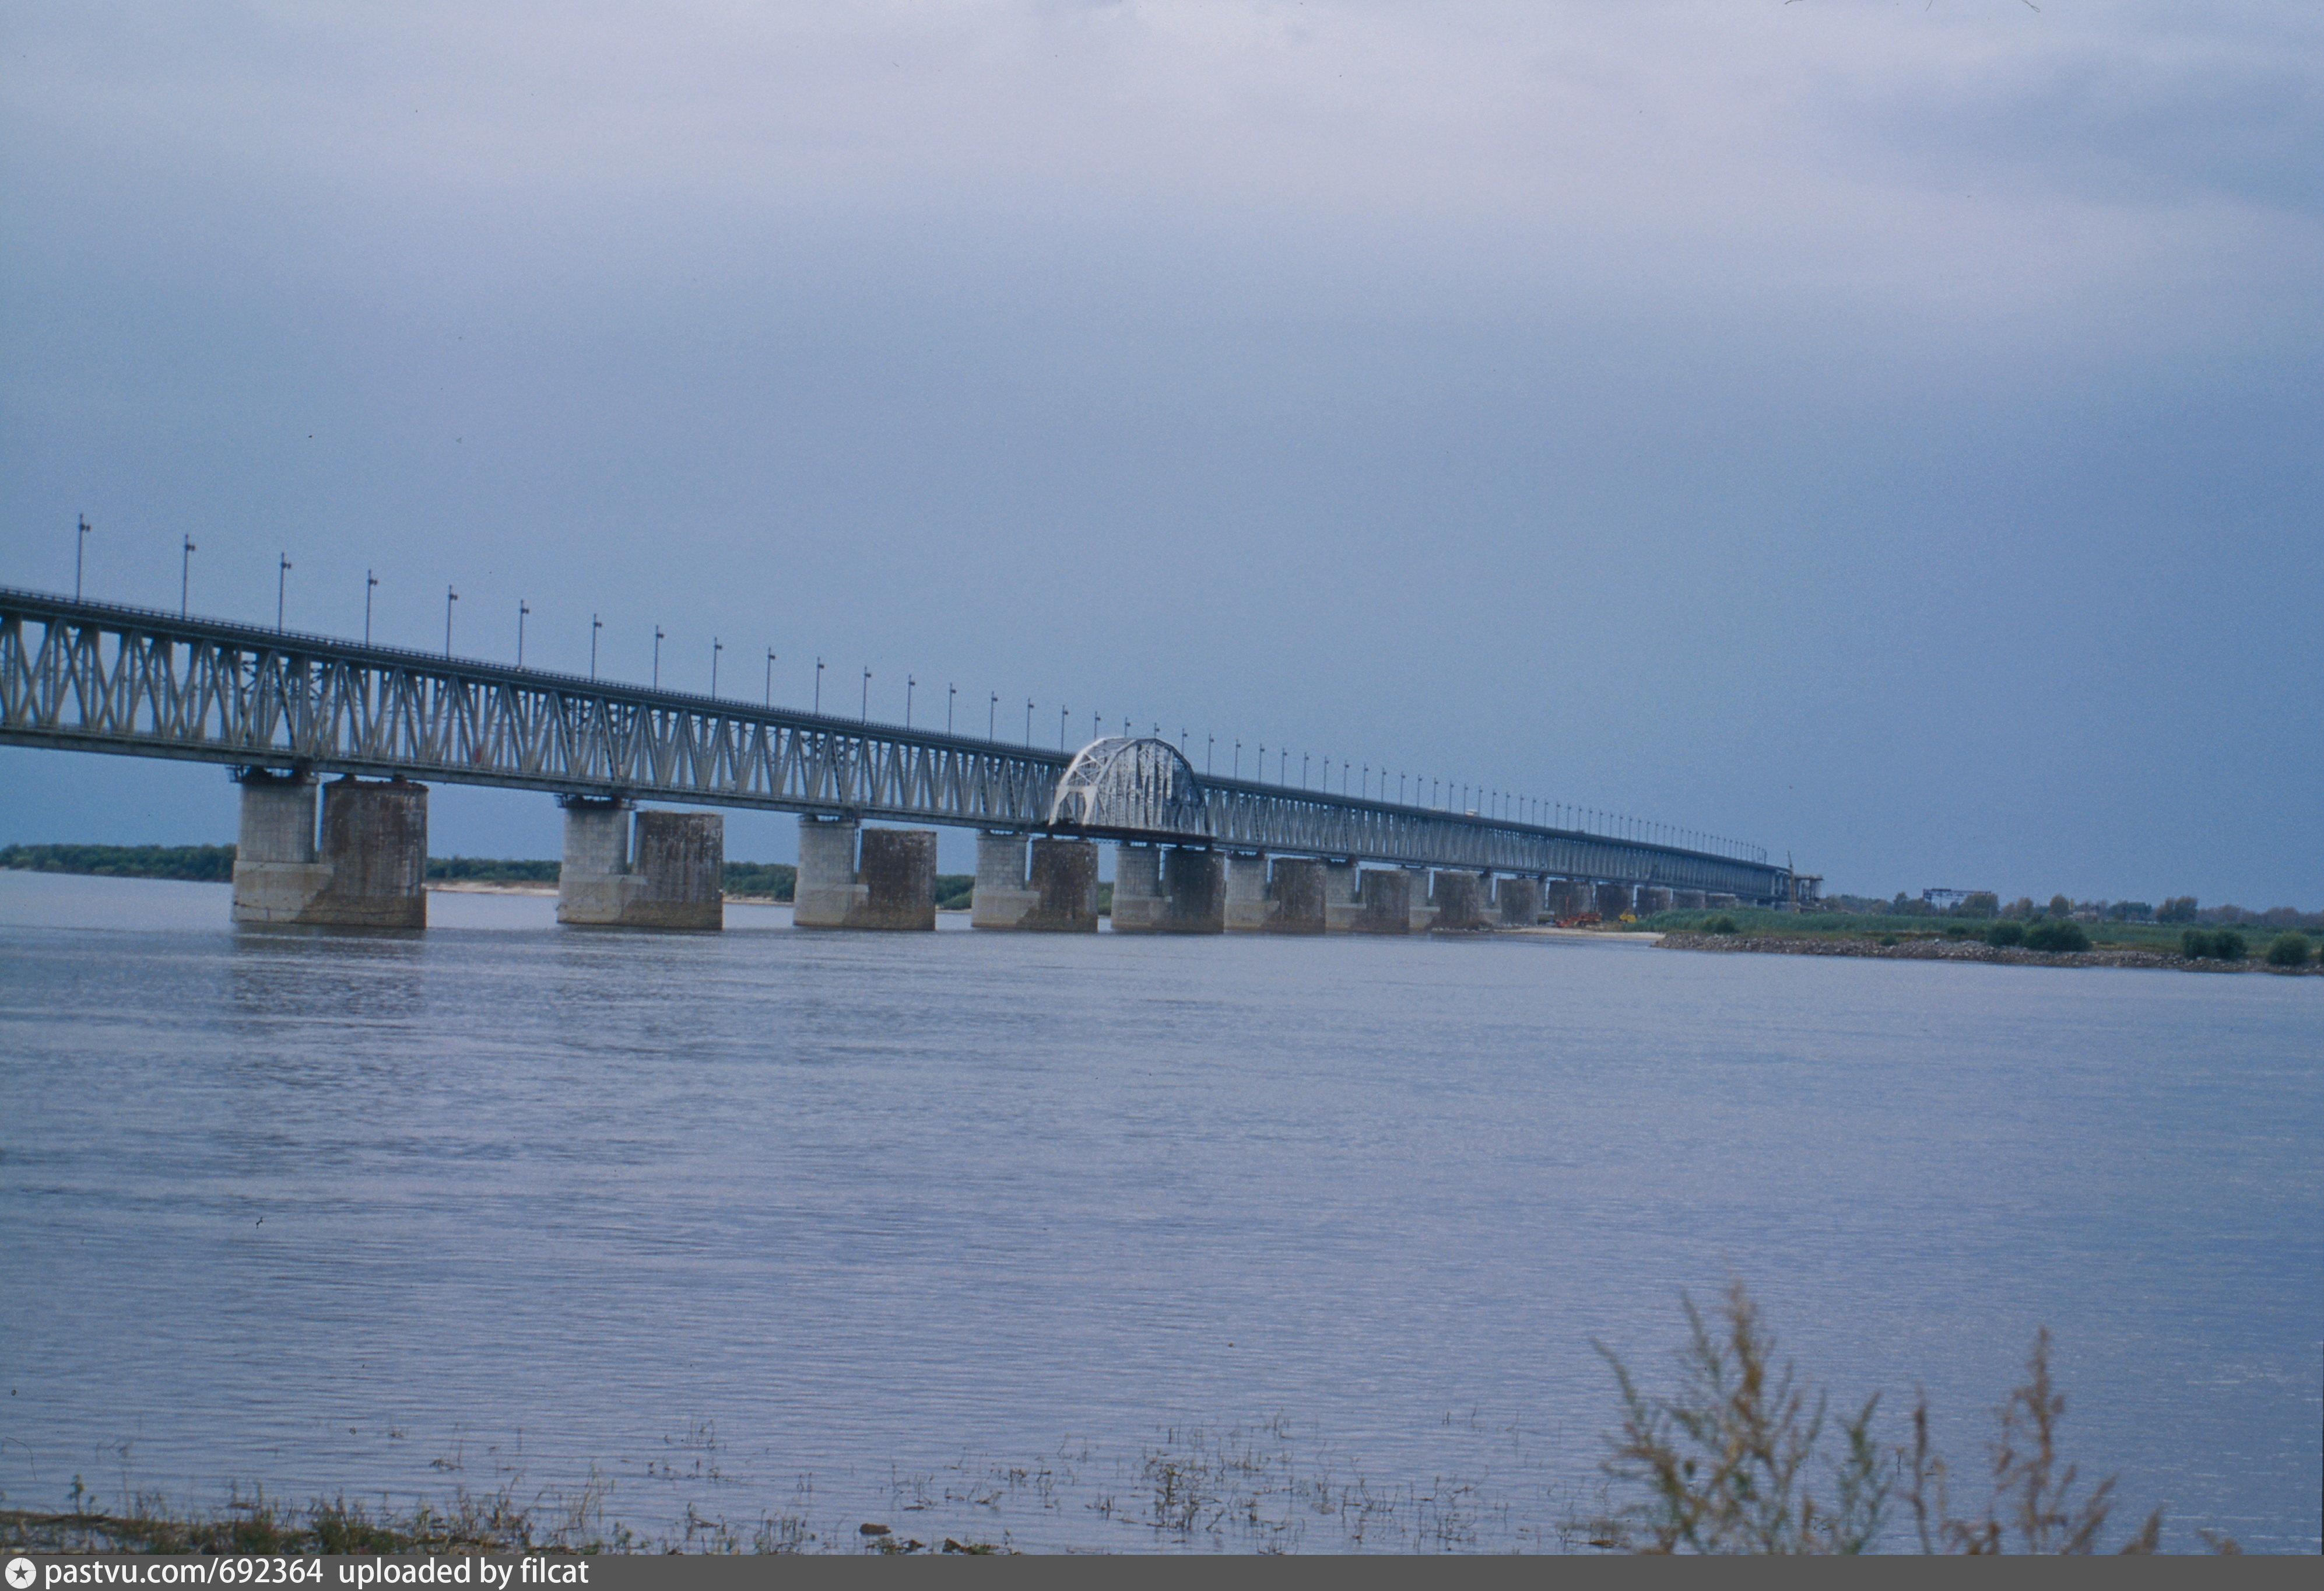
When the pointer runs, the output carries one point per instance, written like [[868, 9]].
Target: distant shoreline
[[1967, 950]]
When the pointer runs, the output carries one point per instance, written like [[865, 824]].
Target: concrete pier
[[369, 869], [1653, 898], [1518, 901], [1613, 900], [1460, 897], [1247, 903], [1002, 898], [1568, 897], [1193, 892], [1424, 906], [1688, 900], [1721, 901], [1138, 899], [1342, 903], [624, 868], [1383, 901], [1296, 897], [1037, 886], [1065, 887], [883, 880]]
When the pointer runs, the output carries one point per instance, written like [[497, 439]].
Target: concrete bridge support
[[1688, 900], [1137, 899], [1418, 886], [1295, 898], [1518, 901], [625, 868], [1247, 902], [1613, 900], [1065, 886], [1056, 894], [1383, 901], [1193, 892], [1721, 901], [1342, 903], [1568, 897], [369, 871], [1459, 900], [1002, 898], [880, 879], [1653, 898]]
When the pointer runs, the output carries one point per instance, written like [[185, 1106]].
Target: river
[[1025, 1238]]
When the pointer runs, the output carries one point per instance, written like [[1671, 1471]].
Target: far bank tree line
[[1986, 906]]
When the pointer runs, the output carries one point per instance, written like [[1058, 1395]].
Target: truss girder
[[92, 676]]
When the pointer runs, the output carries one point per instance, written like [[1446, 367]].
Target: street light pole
[[770, 676], [370, 584], [185, 574], [717, 646], [909, 683], [951, 691], [281, 580], [450, 596], [657, 658], [595, 625], [1028, 723], [1061, 728], [80, 539], [818, 685], [865, 711], [992, 717], [521, 609]]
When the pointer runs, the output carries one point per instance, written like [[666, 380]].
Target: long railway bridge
[[359, 731]]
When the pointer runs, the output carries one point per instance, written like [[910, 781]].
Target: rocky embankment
[[1967, 950]]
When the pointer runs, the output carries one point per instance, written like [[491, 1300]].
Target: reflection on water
[[989, 1232]]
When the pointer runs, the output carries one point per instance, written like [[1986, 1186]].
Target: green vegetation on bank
[[2041, 932], [490, 870], [196, 864]]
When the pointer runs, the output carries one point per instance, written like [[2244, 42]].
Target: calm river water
[[1000, 1236]]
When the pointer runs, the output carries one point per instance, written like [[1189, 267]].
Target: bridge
[[1198, 853]]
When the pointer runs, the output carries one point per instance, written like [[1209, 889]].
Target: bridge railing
[[98, 678]]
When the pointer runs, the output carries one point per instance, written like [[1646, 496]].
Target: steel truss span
[[83, 676]]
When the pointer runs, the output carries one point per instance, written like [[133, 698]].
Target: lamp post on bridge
[[1303, 770], [657, 657], [818, 687], [370, 584], [450, 596], [1283, 765], [1209, 751], [1028, 723], [770, 676], [1238, 761], [951, 691], [717, 646], [281, 583], [80, 541], [595, 625], [1061, 726], [865, 712], [909, 683], [521, 609], [185, 574]]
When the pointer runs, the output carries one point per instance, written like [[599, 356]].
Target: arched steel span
[[93, 676], [1141, 788]]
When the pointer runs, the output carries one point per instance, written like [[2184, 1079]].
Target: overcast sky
[[1886, 432]]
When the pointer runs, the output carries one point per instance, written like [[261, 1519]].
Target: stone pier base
[[1247, 903], [1653, 898], [1137, 899], [1613, 900], [1384, 901], [1193, 892], [1296, 897], [1518, 901], [625, 868], [1342, 903], [1459, 900], [1040, 886], [369, 869], [879, 879], [1688, 900]]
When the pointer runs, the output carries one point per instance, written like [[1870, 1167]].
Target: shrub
[[2228, 945], [2054, 934], [2288, 951], [1722, 924], [2195, 944], [2007, 932], [1887, 939]]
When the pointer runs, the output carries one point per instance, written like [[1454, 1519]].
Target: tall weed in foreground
[[1732, 1463]]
